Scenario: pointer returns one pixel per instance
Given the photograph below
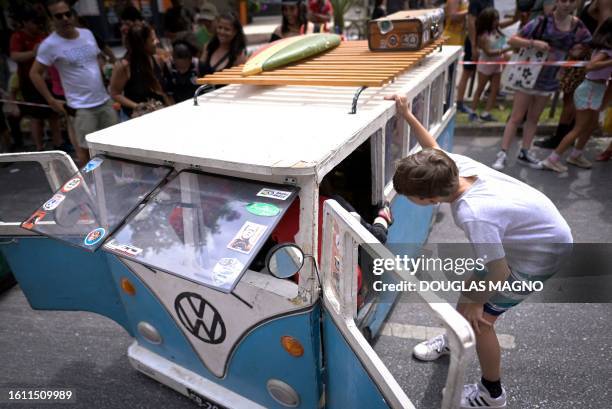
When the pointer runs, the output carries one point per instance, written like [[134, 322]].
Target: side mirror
[[284, 260]]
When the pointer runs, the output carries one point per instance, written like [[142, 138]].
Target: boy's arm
[[497, 272], [425, 139], [471, 303]]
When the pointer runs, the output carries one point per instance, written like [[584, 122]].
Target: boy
[[515, 228]]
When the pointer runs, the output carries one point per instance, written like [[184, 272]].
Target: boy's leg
[[488, 350], [487, 347]]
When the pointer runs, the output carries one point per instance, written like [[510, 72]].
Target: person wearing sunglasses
[[74, 52]]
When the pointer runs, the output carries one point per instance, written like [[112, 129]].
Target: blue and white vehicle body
[[219, 339]]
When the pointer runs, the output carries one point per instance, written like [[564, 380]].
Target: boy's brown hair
[[426, 174]]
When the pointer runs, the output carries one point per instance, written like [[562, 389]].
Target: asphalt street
[[554, 355]]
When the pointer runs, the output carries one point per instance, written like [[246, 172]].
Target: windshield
[[95, 201], [204, 228], [22, 187]]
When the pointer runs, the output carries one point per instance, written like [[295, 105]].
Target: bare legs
[[568, 113], [37, 128], [519, 108], [494, 90], [487, 348], [483, 80], [530, 127], [82, 153], [56, 131], [465, 76], [482, 83], [532, 105], [586, 123]]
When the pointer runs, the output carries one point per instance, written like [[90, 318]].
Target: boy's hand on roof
[[401, 102]]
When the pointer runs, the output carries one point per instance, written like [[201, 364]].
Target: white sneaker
[[476, 396], [526, 158], [431, 349], [500, 162], [579, 161], [554, 165]]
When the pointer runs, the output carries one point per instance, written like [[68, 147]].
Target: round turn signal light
[[127, 287], [292, 346]]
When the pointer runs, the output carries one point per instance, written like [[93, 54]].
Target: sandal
[[604, 156]]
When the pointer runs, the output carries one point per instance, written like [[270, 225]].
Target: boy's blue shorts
[[502, 301]]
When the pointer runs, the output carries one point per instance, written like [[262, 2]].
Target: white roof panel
[[284, 129]]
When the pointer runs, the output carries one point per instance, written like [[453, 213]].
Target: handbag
[[525, 75], [149, 106], [571, 77]]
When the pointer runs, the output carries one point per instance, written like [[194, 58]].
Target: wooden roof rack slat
[[351, 64]]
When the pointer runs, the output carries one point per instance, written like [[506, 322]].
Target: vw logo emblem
[[200, 318]]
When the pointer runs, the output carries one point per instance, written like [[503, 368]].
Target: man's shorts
[[467, 55], [502, 301], [89, 120], [31, 94]]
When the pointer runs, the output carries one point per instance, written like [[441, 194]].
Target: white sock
[[576, 152]]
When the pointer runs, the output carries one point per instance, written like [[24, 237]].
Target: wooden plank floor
[[350, 64]]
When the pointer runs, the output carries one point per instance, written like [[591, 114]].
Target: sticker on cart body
[[263, 209], [55, 201], [71, 184], [35, 218], [226, 270], [125, 249], [247, 237], [92, 164], [274, 194], [94, 236]]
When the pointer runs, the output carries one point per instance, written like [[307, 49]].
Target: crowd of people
[[155, 73], [554, 31], [69, 79]]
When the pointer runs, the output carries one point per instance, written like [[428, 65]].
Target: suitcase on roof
[[409, 30]]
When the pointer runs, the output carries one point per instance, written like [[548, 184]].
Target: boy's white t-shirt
[[77, 63], [504, 217]]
